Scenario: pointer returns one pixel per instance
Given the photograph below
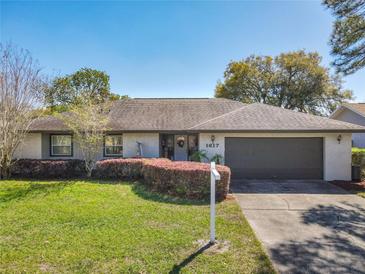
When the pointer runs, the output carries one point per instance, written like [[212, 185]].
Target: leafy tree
[[348, 35], [88, 122], [84, 83], [294, 80]]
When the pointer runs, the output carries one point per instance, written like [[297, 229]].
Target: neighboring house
[[352, 113], [255, 140]]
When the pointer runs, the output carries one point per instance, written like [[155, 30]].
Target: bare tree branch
[[20, 92]]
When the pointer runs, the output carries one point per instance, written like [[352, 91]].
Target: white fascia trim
[[336, 112]]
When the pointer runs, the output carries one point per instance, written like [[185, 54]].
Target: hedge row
[[48, 169], [188, 180]]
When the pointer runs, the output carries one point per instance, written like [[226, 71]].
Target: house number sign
[[212, 144]]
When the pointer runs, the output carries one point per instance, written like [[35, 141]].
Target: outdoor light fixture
[[212, 138], [339, 138]]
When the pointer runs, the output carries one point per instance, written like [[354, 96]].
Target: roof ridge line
[[220, 116]]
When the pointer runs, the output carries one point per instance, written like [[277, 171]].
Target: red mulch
[[350, 186]]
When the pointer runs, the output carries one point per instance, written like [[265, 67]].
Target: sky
[[167, 48]]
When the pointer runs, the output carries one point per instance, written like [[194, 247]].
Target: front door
[[181, 148]]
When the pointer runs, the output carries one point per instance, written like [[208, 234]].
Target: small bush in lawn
[[119, 169], [48, 169], [189, 180]]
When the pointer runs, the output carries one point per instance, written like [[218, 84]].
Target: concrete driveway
[[306, 226]]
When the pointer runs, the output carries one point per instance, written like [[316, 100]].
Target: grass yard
[[86, 226]]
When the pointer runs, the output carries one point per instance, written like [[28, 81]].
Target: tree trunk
[[4, 173], [89, 168]]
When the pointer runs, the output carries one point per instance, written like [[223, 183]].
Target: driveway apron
[[306, 226]]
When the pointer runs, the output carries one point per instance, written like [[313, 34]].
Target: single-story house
[[352, 113], [255, 140]]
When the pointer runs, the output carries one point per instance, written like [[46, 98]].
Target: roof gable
[[358, 108]]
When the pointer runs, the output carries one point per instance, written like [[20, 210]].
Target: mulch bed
[[350, 186]]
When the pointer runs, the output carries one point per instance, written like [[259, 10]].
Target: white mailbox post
[[214, 176]]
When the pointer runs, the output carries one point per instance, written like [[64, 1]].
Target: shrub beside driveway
[[86, 226]]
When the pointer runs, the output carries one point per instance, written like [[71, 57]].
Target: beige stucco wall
[[354, 118], [337, 157], [150, 144], [30, 148]]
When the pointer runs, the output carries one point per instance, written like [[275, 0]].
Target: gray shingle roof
[[204, 115], [47, 123], [155, 114], [261, 117]]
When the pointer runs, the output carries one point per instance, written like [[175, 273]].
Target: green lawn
[[86, 226]]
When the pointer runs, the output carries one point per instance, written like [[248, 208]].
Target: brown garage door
[[275, 158]]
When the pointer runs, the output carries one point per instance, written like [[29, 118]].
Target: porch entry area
[[178, 147]]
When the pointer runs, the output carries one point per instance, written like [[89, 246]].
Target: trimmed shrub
[[358, 156], [129, 169], [48, 169], [358, 159], [189, 180]]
